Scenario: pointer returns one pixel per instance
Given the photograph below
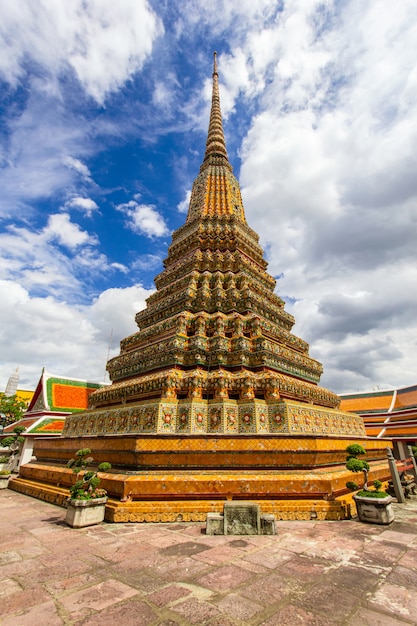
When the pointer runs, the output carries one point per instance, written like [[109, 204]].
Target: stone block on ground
[[268, 524], [242, 518], [215, 524]]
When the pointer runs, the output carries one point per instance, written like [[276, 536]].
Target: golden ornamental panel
[[167, 418], [199, 418], [215, 423], [312, 420], [184, 418], [225, 416], [262, 422], [231, 418], [277, 419], [148, 415], [247, 418]]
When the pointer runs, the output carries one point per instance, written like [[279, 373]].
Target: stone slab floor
[[314, 573]]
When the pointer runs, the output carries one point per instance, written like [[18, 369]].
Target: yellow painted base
[[170, 478], [189, 496], [175, 453], [195, 510]]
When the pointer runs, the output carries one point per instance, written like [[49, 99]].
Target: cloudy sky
[[104, 111]]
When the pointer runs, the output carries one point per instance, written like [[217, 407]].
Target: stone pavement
[[314, 573]]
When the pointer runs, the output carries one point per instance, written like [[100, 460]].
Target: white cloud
[[87, 205], [144, 219], [184, 204], [115, 309], [119, 266], [147, 262], [103, 43], [69, 340], [61, 229], [78, 166], [35, 259], [33, 167]]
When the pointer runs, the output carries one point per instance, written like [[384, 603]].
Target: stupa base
[[171, 477], [189, 495], [185, 511]]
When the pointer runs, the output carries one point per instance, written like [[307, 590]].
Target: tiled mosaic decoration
[[247, 421], [215, 419], [167, 418], [199, 419], [184, 419]]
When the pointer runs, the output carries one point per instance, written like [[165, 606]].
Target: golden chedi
[[213, 398]]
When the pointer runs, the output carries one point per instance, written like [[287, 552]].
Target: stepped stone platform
[[173, 478]]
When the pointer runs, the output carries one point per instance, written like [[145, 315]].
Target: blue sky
[[104, 111]]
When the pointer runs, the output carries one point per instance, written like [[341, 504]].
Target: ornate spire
[[216, 192], [216, 144]]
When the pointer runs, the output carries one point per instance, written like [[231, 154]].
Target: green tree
[[12, 407], [357, 465]]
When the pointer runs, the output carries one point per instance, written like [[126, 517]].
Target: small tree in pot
[[372, 505], [86, 503]]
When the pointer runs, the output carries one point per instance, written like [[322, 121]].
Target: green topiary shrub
[[86, 488], [353, 464]]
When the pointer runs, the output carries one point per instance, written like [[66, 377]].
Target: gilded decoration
[[277, 419], [184, 425], [199, 419], [262, 421], [232, 423], [148, 417], [167, 418], [208, 416], [215, 420], [247, 422], [192, 383]]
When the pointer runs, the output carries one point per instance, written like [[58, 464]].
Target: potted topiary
[[87, 502], [4, 478], [372, 505]]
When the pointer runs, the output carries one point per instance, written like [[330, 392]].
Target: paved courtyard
[[313, 573]]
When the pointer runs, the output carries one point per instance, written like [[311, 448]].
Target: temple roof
[[60, 394], [380, 401], [391, 413]]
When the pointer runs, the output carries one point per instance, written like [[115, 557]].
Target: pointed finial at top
[[216, 144]]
